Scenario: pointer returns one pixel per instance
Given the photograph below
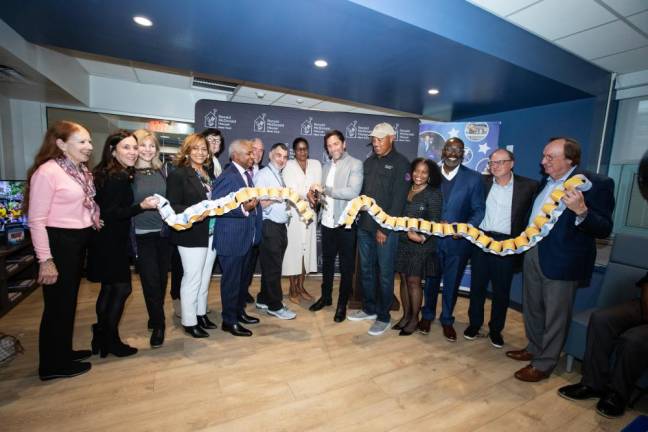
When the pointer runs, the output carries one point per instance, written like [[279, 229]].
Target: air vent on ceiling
[[210, 84], [11, 75]]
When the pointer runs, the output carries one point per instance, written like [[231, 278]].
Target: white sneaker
[[261, 306], [177, 308], [360, 315], [284, 313], [378, 328]]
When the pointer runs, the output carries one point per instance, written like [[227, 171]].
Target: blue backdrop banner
[[480, 139]]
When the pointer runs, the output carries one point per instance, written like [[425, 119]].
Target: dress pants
[[176, 273], [234, 285], [547, 308], [251, 267], [338, 242], [153, 257], [375, 257], [271, 253], [619, 330], [68, 247], [452, 270], [498, 271], [197, 263]]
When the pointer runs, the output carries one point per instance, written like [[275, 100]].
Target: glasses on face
[[550, 158], [498, 163], [215, 139]]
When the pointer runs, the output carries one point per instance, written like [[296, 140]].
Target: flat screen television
[[12, 193]]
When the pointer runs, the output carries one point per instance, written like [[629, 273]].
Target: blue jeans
[[377, 300], [452, 269]]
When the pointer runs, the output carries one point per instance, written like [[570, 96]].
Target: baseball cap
[[381, 130]]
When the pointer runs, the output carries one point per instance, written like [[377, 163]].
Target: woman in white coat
[[301, 255]]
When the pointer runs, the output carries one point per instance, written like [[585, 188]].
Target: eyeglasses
[[551, 158], [499, 162]]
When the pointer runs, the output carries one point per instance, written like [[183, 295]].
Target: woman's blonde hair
[[182, 157], [141, 135]]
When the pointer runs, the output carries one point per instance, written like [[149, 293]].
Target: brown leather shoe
[[424, 326], [530, 374], [520, 355], [449, 333]]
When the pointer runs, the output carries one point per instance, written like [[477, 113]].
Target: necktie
[[248, 176]]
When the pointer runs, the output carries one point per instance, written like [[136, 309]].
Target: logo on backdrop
[[260, 123], [476, 131], [211, 119], [352, 129], [307, 126]]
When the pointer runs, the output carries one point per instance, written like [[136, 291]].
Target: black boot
[[96, 338], [157, 338], [113, 345], [319, 304]]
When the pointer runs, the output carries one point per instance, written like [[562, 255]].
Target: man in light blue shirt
[[274, 236]]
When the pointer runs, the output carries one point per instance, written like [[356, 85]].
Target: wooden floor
[[306, 374]]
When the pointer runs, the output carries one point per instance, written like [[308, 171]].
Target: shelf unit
[[18, 274]]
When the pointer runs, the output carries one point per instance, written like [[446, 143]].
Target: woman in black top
[[417, 258], [108, 257]]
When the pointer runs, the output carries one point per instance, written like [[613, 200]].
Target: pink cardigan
[[55, 200]]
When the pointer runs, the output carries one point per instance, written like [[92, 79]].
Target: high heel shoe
[[96, 339]]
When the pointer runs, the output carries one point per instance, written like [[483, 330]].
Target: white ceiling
[[246, 94], [612, 34]]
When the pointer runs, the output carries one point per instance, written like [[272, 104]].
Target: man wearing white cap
[[386, 179]]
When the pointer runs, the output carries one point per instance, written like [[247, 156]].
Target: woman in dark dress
[[108, 258], [417, 256]]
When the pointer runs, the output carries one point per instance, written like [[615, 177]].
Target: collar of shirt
[[508, 185], [561, 179], [241, 171], [451, 174]]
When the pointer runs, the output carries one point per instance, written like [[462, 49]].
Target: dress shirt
[[449, 176], [545, 192], [241, 171], [327, 214], [498, 208], [271, 177]]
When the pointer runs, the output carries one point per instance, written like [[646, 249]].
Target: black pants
[[153, 256], [617, 330], [249, 271], [271, 253], [338, 242], [110, 307], [68, 247], [176, 273], [234, 287], [498, 271]]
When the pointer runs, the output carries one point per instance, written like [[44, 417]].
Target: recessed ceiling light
[[260, 94], [143, 21], [321, 63], [433, 92], [300, 101]]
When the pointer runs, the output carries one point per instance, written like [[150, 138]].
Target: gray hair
[[236, 146]]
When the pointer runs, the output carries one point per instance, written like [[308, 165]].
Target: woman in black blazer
[[108, 256], [187, 185]]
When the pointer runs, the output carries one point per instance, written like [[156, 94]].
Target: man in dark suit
[[258, 149], [463, 201], [508, 201], [235, 234], [561, 261]]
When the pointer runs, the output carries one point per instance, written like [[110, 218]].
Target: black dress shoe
[[205, 323], [157, 338], [247, 319], [196, 331], [249, 299], [340, 315], [80, 355], [236, 329], [319, 304], [612, 405], [70, 370], [577, 392]]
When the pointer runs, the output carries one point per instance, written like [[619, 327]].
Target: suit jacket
[[524, 191], [184, 189], [465, 204], [569, 251], [346, 184], [235, 231]]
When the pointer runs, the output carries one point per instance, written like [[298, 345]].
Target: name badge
[[389, 167]]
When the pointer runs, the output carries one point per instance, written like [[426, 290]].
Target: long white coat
[[302, 241]]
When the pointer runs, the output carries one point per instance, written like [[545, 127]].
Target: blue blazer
[[465, 204], [235, 233], [569, 251]]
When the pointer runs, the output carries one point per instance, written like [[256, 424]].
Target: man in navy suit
[[235, 234], [463, 201], [561, 261]]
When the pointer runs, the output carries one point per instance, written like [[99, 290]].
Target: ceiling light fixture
[[321, 63], [143, 21], [433, 92], [300, 101], [260, 94]]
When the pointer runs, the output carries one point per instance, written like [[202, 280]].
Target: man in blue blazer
[[463, 201], [235, 234], [563, 260]]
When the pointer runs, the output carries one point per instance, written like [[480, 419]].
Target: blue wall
[[529, 129]]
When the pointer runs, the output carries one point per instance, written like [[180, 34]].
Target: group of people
[[111, 211]]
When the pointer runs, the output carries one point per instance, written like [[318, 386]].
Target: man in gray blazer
[[341, 182]]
